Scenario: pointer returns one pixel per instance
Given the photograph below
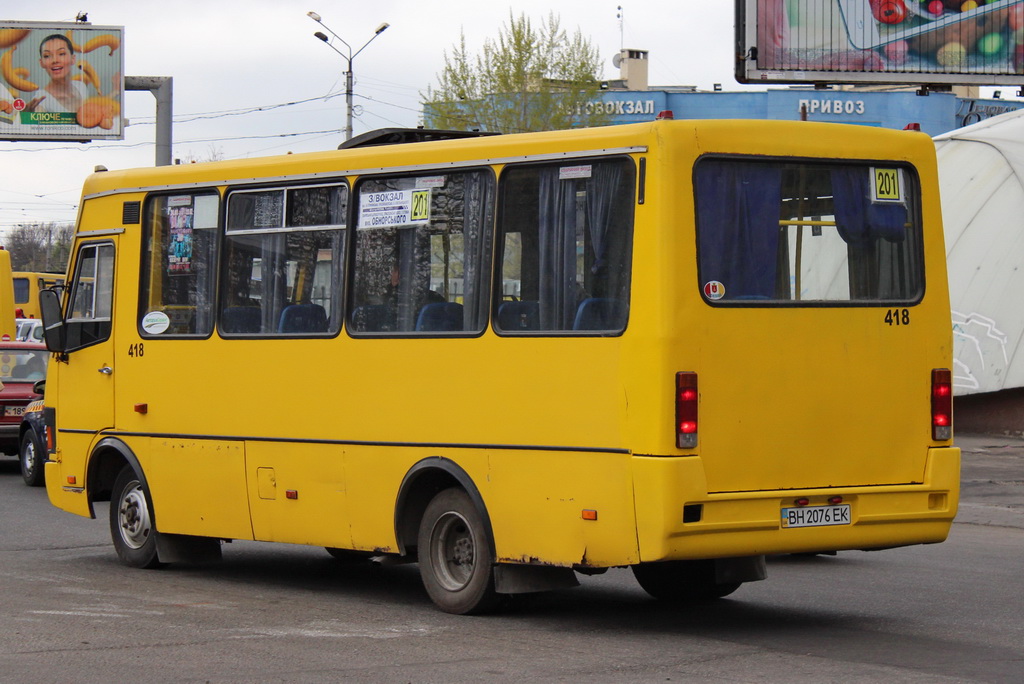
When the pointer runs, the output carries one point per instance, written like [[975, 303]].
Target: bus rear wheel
[[131, 521], [455, 555], [683, 581]]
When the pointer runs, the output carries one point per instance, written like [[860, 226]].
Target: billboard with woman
[[61, 81]]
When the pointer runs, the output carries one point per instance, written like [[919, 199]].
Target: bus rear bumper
[[677, 519]]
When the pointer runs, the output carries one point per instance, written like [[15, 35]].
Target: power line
[[201, 116], [223, 113], [121, 146]]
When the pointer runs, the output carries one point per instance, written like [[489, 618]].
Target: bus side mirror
[[55, 332]]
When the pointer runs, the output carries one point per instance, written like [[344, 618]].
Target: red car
[[22, 364]]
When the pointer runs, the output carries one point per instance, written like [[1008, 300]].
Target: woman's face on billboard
[[57, 59]]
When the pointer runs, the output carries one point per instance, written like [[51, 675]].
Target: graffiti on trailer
[[972, 111]]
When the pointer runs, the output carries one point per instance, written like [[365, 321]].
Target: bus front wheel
[[32, 458], [682, 580], [131, 521], [455, 555]]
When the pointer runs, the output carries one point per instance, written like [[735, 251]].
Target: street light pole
[[348, 60]]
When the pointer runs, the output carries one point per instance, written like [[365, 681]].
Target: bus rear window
[[805, 233]]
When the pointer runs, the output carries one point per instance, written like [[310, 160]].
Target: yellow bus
[[677, 346], [27, 285], [8, 326]]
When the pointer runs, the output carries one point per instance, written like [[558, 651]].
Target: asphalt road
[[278, 613]]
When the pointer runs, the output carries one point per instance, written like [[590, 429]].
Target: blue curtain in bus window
[[738, 208], [860, 221], [601, 197], [557, 237], [878, 270]]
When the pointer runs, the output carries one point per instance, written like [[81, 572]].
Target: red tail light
[[686, 410], [942, 404]]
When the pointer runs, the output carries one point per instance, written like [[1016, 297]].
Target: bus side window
[[284, 255], [92, 293], [566, 236], [21, 291], [422, 254], [179, 265]]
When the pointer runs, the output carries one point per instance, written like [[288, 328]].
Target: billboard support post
[[162, 89]]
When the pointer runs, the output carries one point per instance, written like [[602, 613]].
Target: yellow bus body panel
[[189, 478]]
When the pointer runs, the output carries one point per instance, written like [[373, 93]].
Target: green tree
[[527, 79], [40, 246]]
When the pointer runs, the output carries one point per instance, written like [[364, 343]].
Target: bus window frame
[[145, 240], [914, 208], [492, 175], [227, 232], [74, 282], [637, 163]]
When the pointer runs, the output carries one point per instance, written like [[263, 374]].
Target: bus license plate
[[816, 516], [14, 410]]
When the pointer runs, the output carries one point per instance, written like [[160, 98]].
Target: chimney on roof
[[632, 66]]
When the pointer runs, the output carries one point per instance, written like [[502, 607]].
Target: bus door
[[85, 387]]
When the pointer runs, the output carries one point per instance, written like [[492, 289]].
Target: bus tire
[[31, 457], [682, 581], [131, 521], [455, 557]]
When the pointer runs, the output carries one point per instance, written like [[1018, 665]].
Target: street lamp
[[348, 59]]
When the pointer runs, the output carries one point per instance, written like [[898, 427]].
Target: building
[[630, 99]]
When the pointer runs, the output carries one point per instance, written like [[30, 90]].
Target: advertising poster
[[180, 215], [963, 42], [61, 81]]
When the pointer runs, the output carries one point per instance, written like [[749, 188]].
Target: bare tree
[[40, 246], [213, 153]]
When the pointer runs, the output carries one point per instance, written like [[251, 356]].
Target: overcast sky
[[228, 57]]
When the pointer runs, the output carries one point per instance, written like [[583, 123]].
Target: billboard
[[61, 81], [928, 42]]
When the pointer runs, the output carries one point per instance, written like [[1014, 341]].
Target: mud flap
[[745, 569], [179, 548], [528, 579]]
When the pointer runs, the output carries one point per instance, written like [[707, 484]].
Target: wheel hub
[[133, 517], [454, 551]]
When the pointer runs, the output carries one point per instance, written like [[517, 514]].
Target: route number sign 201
[[886, 185]]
